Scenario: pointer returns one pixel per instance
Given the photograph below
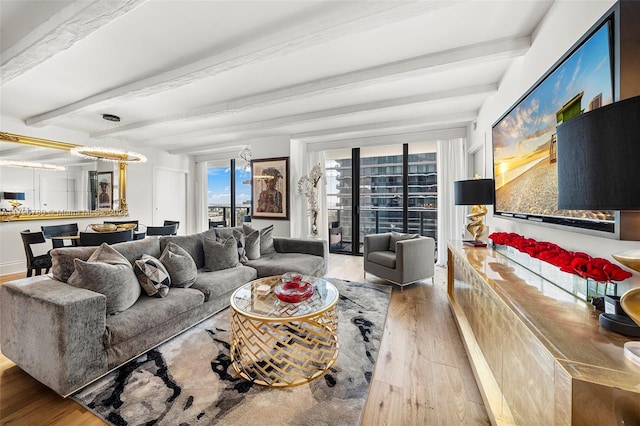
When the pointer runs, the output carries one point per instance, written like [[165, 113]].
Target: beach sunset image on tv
[[524, 140]]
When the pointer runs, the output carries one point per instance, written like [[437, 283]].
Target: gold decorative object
[[283, 344], [103, 227], [630, 302], [126, 225]]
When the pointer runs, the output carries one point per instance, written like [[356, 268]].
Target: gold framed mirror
[[61, 185]]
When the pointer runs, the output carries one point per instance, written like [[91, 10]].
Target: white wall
[[565, 24]]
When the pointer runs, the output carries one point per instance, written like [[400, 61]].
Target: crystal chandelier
[[108, 154]]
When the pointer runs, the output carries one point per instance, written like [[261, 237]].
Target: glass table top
[[247, 301]]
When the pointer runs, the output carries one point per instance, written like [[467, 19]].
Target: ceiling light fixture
[[108, 154], [32, 165]]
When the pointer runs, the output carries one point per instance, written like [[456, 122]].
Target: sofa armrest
[[53, 331], [301, 245], [376, 242], [416, 257]]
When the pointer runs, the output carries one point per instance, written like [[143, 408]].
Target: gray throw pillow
[[180, 265], [110, 273], [396, 236], [252, 245], [224, 233], [266, 238], [220, 254], [152, 275]]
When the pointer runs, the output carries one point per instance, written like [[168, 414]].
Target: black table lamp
[[598, 169], [476, 193], [14, 198]]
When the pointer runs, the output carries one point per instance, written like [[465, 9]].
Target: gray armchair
[[395, 258]]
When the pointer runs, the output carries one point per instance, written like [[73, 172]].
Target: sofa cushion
[[148, 312], [220, 253], [266, 238], [109, 273], [252, 245], [279, 263], [384, 258], [216, 283], [152, 276], [396, 236], [180, 265]]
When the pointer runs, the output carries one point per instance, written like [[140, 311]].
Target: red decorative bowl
[[294, 291]]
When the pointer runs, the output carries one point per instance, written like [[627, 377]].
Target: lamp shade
[[599, 159], [13, 195], [473, 192]]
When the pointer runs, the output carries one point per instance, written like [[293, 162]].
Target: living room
[[392, 73]]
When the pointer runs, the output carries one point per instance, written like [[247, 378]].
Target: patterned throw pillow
[[224, 233], [110, 273], [180, 265], [396, 236], [220, 254], [266, 238], [152, 275]]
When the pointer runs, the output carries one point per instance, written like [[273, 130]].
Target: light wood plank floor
[[422, 375]]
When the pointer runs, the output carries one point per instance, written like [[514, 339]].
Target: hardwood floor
[[422, 375]]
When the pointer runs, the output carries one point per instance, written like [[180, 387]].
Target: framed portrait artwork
[[104, 193], [270, 188]]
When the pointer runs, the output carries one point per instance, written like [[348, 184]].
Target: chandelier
[[108, 154]]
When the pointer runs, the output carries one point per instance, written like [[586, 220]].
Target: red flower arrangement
[[577, 263]]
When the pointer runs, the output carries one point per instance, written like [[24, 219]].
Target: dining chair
[[97, 238], [172, 222], [121, 222], [35, 263], [70, 229], [162, 230]]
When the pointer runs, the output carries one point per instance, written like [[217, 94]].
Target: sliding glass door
[[396, 191]]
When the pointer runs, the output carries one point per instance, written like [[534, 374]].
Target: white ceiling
[[192, 77]]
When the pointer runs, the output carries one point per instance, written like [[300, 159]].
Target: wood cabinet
[[538, 353]]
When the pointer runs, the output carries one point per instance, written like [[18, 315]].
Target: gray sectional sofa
[[62, 335]]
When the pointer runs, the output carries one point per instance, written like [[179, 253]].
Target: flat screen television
[[524, 138]]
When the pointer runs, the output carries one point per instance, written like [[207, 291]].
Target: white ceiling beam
[[387, 126], [61, 31], [260, 126], [430, 63], [425, 136], [352, 18]]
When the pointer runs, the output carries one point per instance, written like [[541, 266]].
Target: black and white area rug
[[189, 379]]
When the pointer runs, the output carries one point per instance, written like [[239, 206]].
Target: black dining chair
[[122, 222], [97, 238], [162, 230], [69, 229], [35, 263], [172, 222]]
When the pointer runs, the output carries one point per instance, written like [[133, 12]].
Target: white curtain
[[451, 167], [300, 165], [202, 205]]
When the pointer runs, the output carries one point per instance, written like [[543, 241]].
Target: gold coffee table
[[275, 343]]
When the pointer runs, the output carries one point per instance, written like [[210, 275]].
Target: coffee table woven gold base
[[274, 343]]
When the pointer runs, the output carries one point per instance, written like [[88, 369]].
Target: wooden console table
[[538, 353]]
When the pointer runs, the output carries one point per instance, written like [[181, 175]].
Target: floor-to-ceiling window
[[223, 208], [396, 191]]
